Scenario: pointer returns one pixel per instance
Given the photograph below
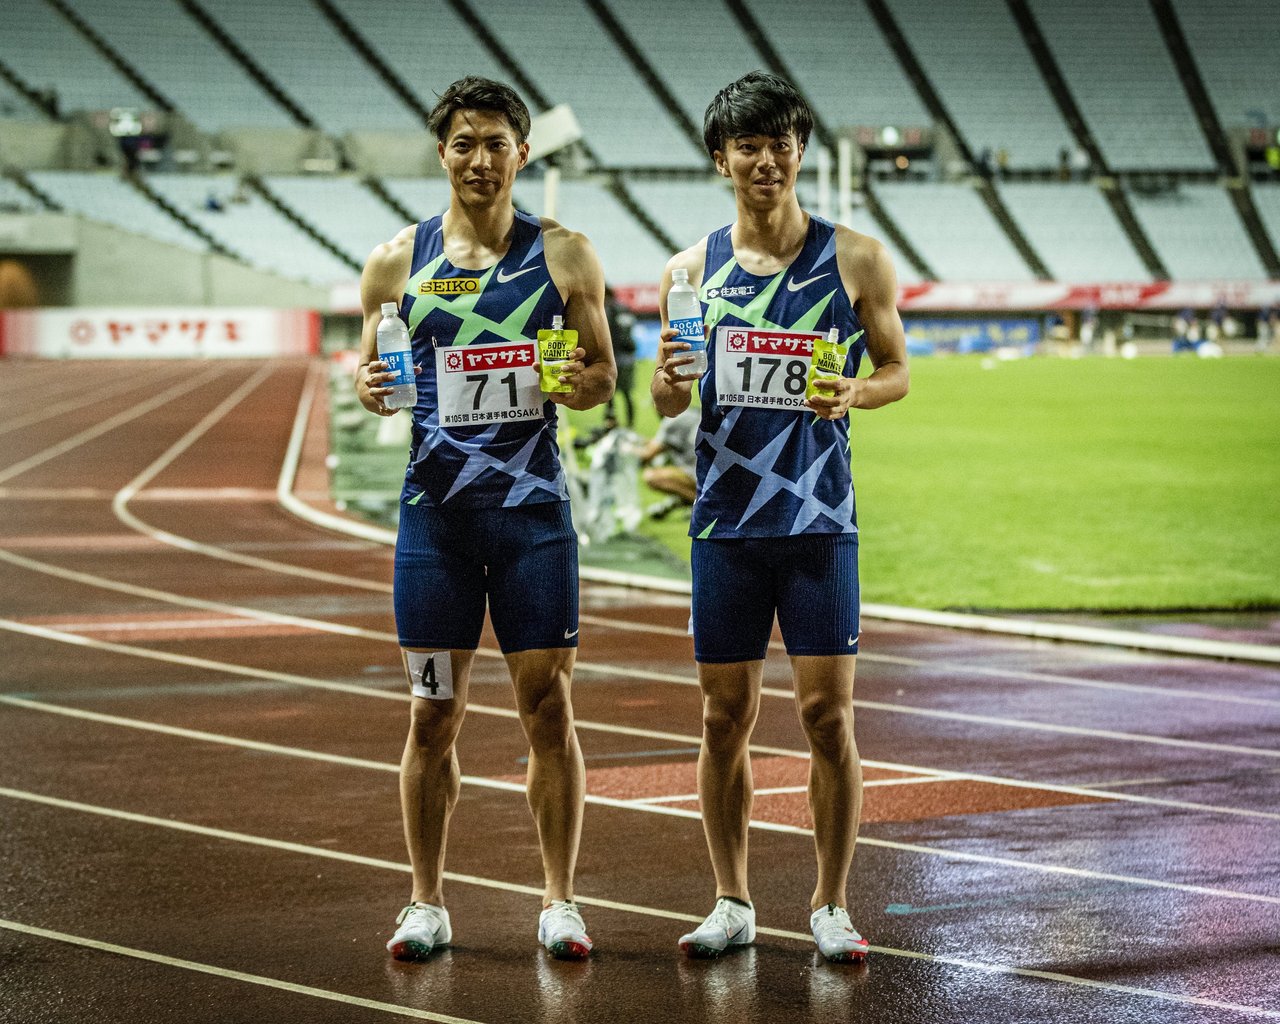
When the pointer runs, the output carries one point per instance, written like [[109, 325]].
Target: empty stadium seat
[[105, 196], [1072, 228], [1197, 233]]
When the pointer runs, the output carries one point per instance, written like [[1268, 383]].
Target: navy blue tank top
[[774, 472], [495, 464]]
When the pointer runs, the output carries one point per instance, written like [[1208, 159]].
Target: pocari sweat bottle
[[395, 351], [684, 313]]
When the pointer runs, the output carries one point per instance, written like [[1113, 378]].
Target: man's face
[[763, 168], [481, 155]]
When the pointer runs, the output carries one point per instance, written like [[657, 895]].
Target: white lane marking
[[781, 790], [631, 908], [324, 626], [137, 626], [120, 504], [588, 725], [133, 382], [109, 424], [231, 975], [603, 801]]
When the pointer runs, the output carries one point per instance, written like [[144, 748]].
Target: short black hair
[[758, 103], [476, 93]]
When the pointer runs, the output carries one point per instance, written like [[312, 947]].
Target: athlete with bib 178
[[484, 514], [774, 525]]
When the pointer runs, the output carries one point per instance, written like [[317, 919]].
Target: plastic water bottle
[[395, 351], [684, 313]]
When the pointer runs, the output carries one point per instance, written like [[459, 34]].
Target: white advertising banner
[[159, 333]]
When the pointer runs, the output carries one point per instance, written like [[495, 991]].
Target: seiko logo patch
[[449, 286]]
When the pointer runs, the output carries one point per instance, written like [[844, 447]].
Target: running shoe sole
[[410, 951], [568, 950]]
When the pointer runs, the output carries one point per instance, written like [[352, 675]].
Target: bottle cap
[[557, 323], [390, 308], [833, 336], [679, 276]]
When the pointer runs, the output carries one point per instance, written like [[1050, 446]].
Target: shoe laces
[[421, 907], [726, 915], [834, 922]]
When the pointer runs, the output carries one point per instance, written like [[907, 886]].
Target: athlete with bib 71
[[484, 514]]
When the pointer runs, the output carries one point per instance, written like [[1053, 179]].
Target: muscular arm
[[672, 390], [868, 276], [385, 277], [576, 270]]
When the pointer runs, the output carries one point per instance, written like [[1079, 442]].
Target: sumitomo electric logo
[[742, 291]]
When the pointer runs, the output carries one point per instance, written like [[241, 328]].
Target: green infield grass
[[1066, 484], [1098, 484]]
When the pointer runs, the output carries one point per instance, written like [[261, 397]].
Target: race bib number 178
[[763, 369], [478, 384]]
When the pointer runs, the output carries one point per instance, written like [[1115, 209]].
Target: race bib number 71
[[763, 369], [478, 384]]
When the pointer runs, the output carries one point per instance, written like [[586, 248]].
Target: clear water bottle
[[394, 350], [684, 313]]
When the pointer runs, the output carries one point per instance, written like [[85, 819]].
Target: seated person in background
[[670, 462]]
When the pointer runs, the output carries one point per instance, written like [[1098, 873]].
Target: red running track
[[201, 712]]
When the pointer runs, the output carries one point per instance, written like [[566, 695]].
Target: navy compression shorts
[[523, 561], [809, 581]]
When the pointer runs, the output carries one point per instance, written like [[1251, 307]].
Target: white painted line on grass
[[232, 975]]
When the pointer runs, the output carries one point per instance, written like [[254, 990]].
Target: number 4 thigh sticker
[[430, 674]]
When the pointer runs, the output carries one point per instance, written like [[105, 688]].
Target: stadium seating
[[341, 209], [15, 200], [686, 210], [426, 197], [954, 231], [16, 106], [1120, 72], [1073, 230], [572, 60], [315, 66], [182, 61], [105, 196], [41, 47], [845, 68], [250, 227], [627, 251], [1267, 198], [1197, 233], [1234, 45], [426, 43], [980, 65]]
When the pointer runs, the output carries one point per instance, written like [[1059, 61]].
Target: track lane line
[[590, 726], [231, 975], [48, 412], [325, 626], [109, 424], [633, 908], [518, 789]]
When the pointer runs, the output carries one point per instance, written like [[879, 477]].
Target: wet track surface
[[201, 713]]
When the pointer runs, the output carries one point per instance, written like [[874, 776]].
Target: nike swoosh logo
[[792, 286], [852, 640], [504, 278], [570, 636], [742, 929]]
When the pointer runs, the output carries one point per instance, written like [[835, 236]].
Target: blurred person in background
[[621, 320], [670, 462]]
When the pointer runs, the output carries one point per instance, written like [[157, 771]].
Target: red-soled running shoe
[[835, 935], [423, 927], [562, 931], [732, 923]]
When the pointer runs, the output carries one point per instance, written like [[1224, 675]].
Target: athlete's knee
[[726, 723], [548, 719], [433, 725], [828, 725]]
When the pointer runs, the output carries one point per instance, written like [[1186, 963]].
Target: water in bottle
[[395, 351], [684, 313]]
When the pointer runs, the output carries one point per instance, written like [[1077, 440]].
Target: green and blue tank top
[[774, 472], [495, 464]]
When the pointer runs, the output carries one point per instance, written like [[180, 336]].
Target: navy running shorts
[[810, 581], [523, 560]]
